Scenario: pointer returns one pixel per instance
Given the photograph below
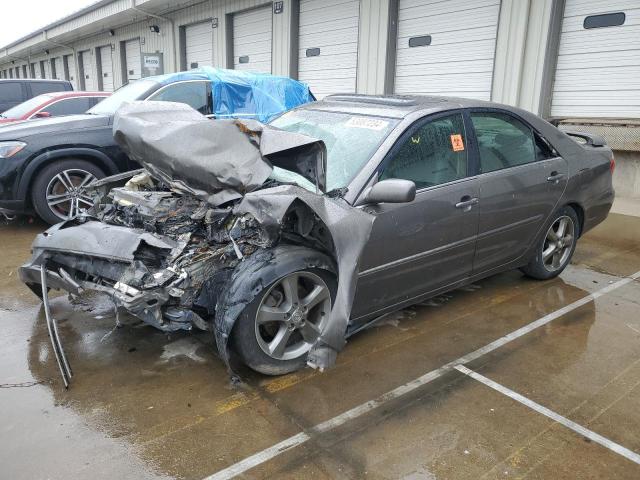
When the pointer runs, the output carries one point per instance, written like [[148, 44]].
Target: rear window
[[38, 88], [10, 92]]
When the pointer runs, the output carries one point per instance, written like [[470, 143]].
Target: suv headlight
[[9, 149]]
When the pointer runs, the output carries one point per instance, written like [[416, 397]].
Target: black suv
[[15, 91]]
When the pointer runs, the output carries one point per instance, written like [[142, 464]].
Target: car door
[[195, 93], [419, 247], [521, 181]]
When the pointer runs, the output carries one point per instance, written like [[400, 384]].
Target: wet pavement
[[147, 405]]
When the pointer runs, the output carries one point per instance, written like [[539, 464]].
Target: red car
[[53, 104]]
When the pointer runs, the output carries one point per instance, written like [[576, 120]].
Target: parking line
[[302, 437], [585, 432]]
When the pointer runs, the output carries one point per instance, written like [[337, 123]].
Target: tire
[[251, 338], [553, 254], [59, 182]]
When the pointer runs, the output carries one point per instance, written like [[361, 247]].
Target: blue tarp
[[240, 94]]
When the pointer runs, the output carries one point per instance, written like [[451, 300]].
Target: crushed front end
[[149, 248]]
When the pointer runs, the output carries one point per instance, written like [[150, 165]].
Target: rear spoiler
[[590, 139]]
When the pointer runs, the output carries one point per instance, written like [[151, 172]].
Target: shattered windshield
[[351, 140]]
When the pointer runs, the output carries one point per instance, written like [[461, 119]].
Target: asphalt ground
[[539, 361]]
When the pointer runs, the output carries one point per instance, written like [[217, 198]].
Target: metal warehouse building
[[577, 60]]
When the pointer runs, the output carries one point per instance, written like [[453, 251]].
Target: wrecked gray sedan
[[284, 239]]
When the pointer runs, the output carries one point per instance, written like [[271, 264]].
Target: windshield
[[351, 140], [21, 110], [128, 93]]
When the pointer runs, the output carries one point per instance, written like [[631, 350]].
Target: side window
[[503, 141], [194, 94], [70, 106], [435, 153], [38, 88], [544, 149], [11, 92]]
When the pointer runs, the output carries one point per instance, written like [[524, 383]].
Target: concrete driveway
[[507, 378]]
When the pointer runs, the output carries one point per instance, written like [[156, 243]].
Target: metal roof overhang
[[99, 17]]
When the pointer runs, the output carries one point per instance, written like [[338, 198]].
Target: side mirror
[[393, 190], [42, 115]]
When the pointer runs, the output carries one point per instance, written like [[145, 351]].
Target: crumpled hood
[[214, 160], [21, 130]]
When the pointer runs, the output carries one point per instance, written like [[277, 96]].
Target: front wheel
[[556, 248], [275, 332], [58, 191]]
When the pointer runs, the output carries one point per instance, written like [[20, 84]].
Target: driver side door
[[422, 246]]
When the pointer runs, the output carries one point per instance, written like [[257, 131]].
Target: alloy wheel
[[558, 243], [292, 315], [66, 196]]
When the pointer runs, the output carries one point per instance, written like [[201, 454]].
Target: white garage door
[[598, 69], [56, 68], [47, 69], [252, 40], [133, 61], [35, 70], [106, 68], [328, 43], [71, 70], [446, 47], [199, 45], [87, 71]]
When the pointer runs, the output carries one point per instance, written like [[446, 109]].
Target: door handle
[[467, 202], [555, 177]]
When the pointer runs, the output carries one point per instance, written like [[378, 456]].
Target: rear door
[[419, 247], [521, 181]]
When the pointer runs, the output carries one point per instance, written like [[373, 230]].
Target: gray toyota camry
[[285, 239]]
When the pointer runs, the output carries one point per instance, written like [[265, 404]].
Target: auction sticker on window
[[367, 122], [457, 143]]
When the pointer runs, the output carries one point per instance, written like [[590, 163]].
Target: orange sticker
[[456, 142]]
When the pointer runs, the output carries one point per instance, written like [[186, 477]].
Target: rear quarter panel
[[590, 179]]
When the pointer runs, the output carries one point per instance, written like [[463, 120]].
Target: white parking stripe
[[302, 437], [605, 442]]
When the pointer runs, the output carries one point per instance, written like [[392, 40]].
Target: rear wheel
[[58, 190], [555, 250], [275, 332]]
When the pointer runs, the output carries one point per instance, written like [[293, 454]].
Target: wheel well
[[89, 158], [580, 213]]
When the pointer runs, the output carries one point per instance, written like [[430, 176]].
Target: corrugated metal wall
[[522, 74]]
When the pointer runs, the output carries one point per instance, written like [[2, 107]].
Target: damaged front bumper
[[111, 259]]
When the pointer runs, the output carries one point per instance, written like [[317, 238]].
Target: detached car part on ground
[[230, 228]]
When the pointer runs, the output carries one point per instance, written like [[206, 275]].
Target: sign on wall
[[152, 64]]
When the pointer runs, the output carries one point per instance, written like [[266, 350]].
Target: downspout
[[173, 31], [76, 63]]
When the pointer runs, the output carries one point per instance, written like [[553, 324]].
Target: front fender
[[43, 158], [252, 276]]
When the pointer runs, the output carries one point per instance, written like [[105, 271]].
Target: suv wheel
[[58, 190], [275, 332]]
